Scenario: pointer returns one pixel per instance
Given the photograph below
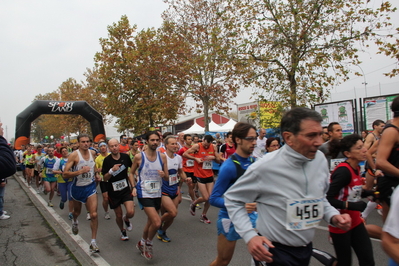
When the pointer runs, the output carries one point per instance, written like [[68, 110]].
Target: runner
[[152, 168], [180, 140], [228, 148], [47, 175], [388, 160], [188, 166], [170, 188], [83, 189], [390, 236], [29, 162], [244, 137], [119, 186], [123, 146], [103, 184], [289, 186], [38, 156], [345, 194], [204, 153], [260, 148], [334, 157], [64, 185]]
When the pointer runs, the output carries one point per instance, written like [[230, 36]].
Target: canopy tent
[[195, 129], [228, 126], [213, 127]]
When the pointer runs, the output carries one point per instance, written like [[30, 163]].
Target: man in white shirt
[[260, 148]]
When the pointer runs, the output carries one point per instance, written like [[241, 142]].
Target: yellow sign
[[270, 114]]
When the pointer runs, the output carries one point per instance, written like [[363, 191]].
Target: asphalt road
[[193, 243]]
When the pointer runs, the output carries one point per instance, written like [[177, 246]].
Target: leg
[[91, 205], [342, 247], [153, 223], [225, 251], [209, 187], [118, 217], [171, 211], [52, 187], [2, 191], [46, 186], [77, 208], [105, 201], [385, 210], [362, 246]]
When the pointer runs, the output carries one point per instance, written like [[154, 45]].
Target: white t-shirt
[[260, 148], [391, 225]]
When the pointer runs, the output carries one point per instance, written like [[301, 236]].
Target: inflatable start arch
[[37, 108]]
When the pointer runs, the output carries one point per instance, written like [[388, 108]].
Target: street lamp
[[365, 82]]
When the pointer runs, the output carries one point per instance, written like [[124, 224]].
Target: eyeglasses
[[250, 138]]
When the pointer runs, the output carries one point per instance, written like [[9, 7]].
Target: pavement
[[40, 235]]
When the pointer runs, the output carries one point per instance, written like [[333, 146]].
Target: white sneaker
[[128, 224], [106, 216], [4, 212], [88, 216], [4, 217]]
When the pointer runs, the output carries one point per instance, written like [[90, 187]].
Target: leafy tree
[[300, 48], [211, 76], [137, 77], [391, 49]]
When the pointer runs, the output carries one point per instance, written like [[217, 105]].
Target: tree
[[211, 75], [391, 49], [137, 77], [300, 48]]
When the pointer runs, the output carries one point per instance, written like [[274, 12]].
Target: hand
[[251, 207], [342, 221], [378, 173], [161, 173], [189, 180], [258, 250], [85, 169], [98, 177], [116, 167], [198, 160], [134, 192]]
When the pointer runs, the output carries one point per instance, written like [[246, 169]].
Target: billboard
[[269, 111], [341, 112], [377, 108], [247, 112]]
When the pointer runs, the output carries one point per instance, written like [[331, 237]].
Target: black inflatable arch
[[37, 108]]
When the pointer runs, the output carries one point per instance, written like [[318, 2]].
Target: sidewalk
[[33, 235]]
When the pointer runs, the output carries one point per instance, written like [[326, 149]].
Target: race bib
[[49, 171], [355, 194], [190, 163], [119, 185], [335, 162], [87, 176], [303, 214], [207, 165], [152, 186], [173, 179]]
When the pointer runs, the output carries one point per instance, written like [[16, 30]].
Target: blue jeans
[[2, 190]]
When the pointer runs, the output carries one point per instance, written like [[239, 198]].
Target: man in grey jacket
[[289, 186]]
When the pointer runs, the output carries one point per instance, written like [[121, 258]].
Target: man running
[[119, 186], [289, 186], [103, 184], [244, 137], [204, 153], [64, 185], [152, 168], [83, 189], [260, 148], [49, 178], [188, 166], [170, 188], [333, 157], [38, 156], [123, 146]]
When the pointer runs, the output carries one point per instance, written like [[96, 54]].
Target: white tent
[[228, 126], [195, 129], [213, 127]]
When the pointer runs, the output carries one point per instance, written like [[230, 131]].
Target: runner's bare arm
[[164, 174], [192, 150]]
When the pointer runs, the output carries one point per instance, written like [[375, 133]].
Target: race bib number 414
[[303, 214]]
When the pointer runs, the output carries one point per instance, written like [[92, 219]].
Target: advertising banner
[[341, 112]]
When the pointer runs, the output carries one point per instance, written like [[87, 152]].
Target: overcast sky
[[43, 43]]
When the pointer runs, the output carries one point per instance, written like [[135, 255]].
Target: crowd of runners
[[272, 192]]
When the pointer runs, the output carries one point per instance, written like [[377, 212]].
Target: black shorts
[[30, 166], [150, 202], [103, 186], [118, 199], [35, 173], [386, 186], [193, 178], [205, 180]]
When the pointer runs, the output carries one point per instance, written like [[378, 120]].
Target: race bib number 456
[[304, 213]]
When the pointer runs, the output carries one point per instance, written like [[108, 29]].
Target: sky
[[43, 43]]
